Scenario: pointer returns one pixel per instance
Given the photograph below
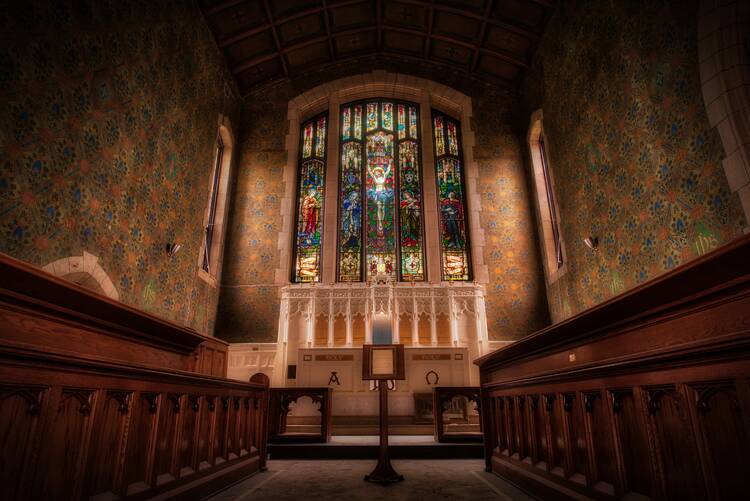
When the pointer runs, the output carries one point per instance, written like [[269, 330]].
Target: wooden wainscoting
[[76, 429], [646, 396], [39, 310], [101, 401]]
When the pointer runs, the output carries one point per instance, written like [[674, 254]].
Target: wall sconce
[[591, 242], [172, 249]]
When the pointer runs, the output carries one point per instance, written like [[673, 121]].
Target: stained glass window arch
[[380, 223], [308, 234], [451, 196]]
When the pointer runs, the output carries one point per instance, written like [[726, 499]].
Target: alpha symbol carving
[[334, 378]]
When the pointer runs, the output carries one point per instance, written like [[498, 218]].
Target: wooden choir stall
[[644, 396], [99, 400]]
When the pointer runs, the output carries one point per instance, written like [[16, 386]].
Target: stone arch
[[378, 83], [85, 271], [724, 56]]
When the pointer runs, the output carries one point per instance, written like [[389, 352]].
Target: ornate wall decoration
[[634, 157], [108, 144]]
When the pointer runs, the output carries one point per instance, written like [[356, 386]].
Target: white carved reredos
[[399, 300]]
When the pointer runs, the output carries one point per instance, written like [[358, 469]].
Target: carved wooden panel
[[19, 415], [673, 441], [108, 441], [233, 428], [167, 437], [498, 424], [220, 432], [576, 437], [141, 437], [59, 473], [510, 426], [206, 415], [602, 462], [558, 462], [538, 431], [521, 427], [724, 437], [187, 443], [632, 437]]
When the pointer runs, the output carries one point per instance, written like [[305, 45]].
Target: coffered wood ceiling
[[267, 40]]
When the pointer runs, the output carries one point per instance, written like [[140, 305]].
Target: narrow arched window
[[216, 209], [451, 194], [310, 196], [553, 246], [211, 223], [380, 229]]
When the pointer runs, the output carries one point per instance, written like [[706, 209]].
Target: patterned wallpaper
[[634, 159], [107, 143], [249, 304]]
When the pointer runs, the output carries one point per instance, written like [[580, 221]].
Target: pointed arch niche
[[380, 84], [85, 271]]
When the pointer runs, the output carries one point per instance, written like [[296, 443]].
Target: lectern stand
[[383, 363]]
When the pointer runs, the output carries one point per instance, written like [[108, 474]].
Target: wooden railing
[[281, 400], [77, 429], [646, 394], [100, 400], [462, 400]]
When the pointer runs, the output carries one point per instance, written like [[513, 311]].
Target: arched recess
[[329, 96], [85, 271], [724, 54]]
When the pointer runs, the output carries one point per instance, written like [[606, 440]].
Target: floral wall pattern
[[249, 305], [634, 159], [107, 142]]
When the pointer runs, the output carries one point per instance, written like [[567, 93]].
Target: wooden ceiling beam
[[379, 21], [217, 9], [508, 85], [238, 37], [519, 30], [276, 40], [245, 65], [249, 63], [327, 22], [545, 3], [480, 38], [430, 22], [500, 55]]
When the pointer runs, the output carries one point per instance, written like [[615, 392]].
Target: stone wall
[[633, 155], [108, 141], [249, 303]]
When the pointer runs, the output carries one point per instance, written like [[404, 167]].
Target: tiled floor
[[431, 480]]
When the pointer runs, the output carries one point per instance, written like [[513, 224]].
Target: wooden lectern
[[382, 362]]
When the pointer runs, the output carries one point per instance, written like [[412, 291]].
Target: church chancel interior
[[221, 218]]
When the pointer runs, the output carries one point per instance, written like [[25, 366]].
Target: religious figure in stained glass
[[410, 227], [311, 184], [452, 212], [379, 168], [380, 208], [350, 200], [451, 199], [311, 211]]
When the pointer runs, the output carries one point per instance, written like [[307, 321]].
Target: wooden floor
[[288, 480]]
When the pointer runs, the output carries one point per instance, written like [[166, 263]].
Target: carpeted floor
[[432, 480]]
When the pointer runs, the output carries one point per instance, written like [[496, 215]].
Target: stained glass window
[[310, 191], [454, 243], [380, 193]]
